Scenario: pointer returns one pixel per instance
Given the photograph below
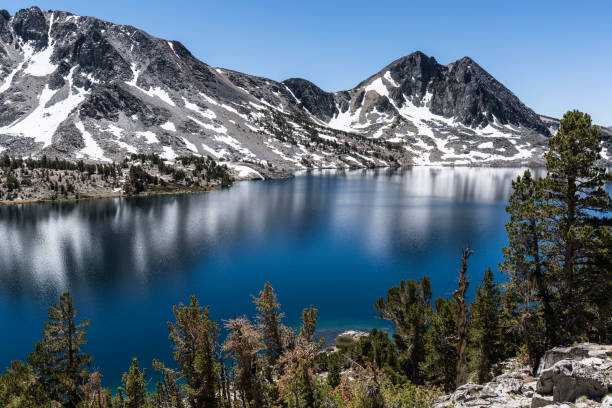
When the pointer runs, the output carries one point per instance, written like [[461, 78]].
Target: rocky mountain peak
[[412, 73], [5, 31], [319, 103], [32, 27], [415, 60]]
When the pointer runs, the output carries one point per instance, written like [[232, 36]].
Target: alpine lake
[[335, 240]]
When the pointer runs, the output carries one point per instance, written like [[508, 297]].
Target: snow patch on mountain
[[149, 136], [168, 153], [190, 145], [152, 92], [91, 150], [39, 64], [42, 122], [169, 126]]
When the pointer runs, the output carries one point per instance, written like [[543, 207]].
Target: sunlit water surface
[[334, 240]]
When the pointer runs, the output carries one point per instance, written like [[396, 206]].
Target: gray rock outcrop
[[579, 376]]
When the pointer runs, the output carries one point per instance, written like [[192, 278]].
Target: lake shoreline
[[269, 176], [113, 195]]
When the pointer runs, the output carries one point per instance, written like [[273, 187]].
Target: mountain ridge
[[82, 88]]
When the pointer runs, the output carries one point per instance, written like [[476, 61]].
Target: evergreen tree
[[243, 343], [269, 319], [135, 387], [601, 288], [167, 393], [378, 351], [510, 329], [574, 190], [307, 387], [557, 259], [296, 384], [195, 343], [462, 319], [16, 387], [526, 262], [333, 374], [309, 323], [366, 389], [408, 307], [94, 395], [485, 327], [58, 359], [440, 365], [523, 322], [119, 399]]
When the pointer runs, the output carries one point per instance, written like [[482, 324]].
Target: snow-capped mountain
[[78, 87], [455, 113]]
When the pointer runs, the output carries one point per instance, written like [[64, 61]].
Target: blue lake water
[[334, 240]]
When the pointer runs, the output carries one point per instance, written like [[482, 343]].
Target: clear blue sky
[[554, 55]]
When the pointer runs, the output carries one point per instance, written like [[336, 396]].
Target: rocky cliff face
[[579, 376], [81, 88]]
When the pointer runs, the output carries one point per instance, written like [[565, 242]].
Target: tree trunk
[[226, 389], [462, 337], [550, 318], [244, 405], [532, 352], [568, 297]]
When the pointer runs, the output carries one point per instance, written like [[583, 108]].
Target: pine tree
[[309, 323], [462, 318], [574, 190], [167, 393], [440, 365], [118, 399], [408, 307], [16, 387], [270, 321], [510, 329], [522, 321], [296, 384], [526, 264], [135, 387], [243, 343], [58, 359], [333, 374], [306, 382], [486, 327], [94, 395], [601, 289], [195, 343]]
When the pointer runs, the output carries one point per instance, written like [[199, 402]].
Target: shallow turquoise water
[[334, 240]]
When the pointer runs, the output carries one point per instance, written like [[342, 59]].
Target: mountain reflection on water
[[55, 247]]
